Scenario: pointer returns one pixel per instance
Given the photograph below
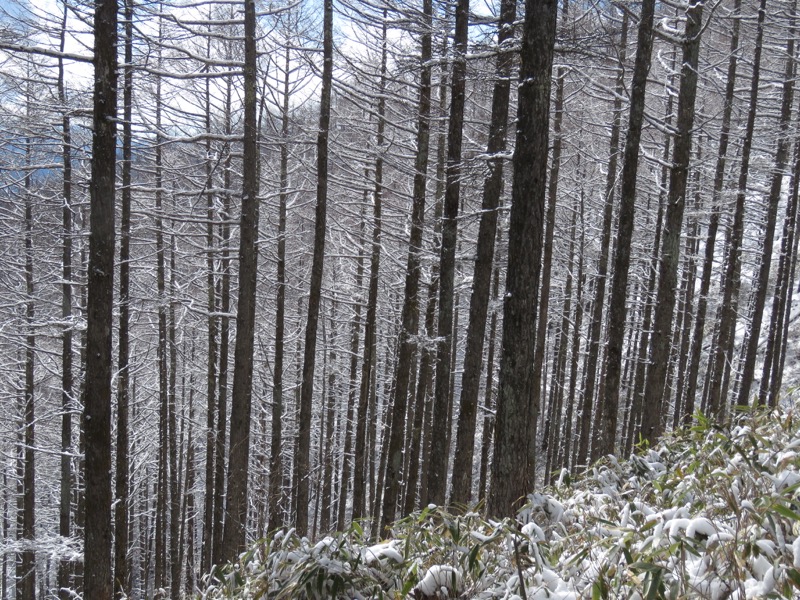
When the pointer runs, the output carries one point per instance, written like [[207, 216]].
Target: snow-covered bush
[[710, 512]]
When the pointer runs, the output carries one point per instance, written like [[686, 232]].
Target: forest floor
[[711, 512]]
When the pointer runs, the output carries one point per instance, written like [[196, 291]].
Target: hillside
[[710, 513]]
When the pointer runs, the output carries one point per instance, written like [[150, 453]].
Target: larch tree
[[302, 455], [517, 401], [235, 527], [97, 577], [619, 285], [655, 389]]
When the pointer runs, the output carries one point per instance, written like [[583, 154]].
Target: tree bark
[[409, 327], [517, 400], [122, 587], [234, 536], [722, 351], [98, 584], [661, 339], [302, 457], [276, 460], [713, 224], [440, 452], [482, 274], [774, 198], [619, 285], [67, 391]]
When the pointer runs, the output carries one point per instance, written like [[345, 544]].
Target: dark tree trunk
[[220, 435], [352, 395], [713, 224], [661, 337], [440, 452], [175, 469], [122, 586], [409, 326], [211, 372], [551, 433], [163, 372], [782, 304], [482, 275], [29, 469], [488, 393], [234, 536], [728, 308], [768, 235], [97, 577], [517, 400], [276, 460], [619, 285], [360, 461], [596, 325], [302, 456], [67, 400]]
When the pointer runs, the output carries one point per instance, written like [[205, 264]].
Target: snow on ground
[[710, 513]]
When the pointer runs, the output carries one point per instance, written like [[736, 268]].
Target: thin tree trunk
[[347, 468], [122, 587], [596, 325], [276, 460], [619, 286], [488, 394], [713, 225], [302, 456], [209, 520], [409, 327], [29, 468], [162, 357], [67, 400], [776, 342], [175, 469], [360, 476], [220, 451], [768, 234], [437, 476], [482, 275], [728, 308], [661, 337], [234, 536]]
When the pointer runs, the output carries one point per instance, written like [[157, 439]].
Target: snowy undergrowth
[[709, 513]]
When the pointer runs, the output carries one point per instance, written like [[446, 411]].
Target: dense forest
[[308, 264]]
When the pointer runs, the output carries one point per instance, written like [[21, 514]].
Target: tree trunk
[[122, 587], [97, 393], [276, 460], [768, 235], [409, 327], [437, 476], [596, 325], [517, 400], [711, 233], [781, 306], [220, 450], [347, 468], [655, 392], [619, 286], [29, 468], [209, 521], [302, 457], [728, 308], [67, 400], [482, 274], [234, 536]]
